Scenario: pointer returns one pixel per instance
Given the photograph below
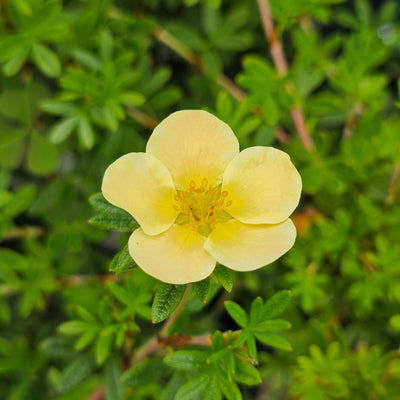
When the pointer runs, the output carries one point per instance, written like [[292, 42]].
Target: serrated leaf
[[110, 217], [237, 313], [132, 99], [147, 371], [122, 261], [223, 276], [273, 340], [251, 347], [276, 304], [166, 300], [46, 60], [272, 325], [247, 373], [201, 289], [76, 372], [186, 360], [193, 388], [118, 222], [217, 356]]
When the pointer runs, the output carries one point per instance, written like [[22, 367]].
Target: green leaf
[[73, 327], [201, 289], [122, 261], [150, 370], [193, 388], [228, 388], [256, 311], [272, 325], [166, 300], [114, 390], [247, 373], [46, 60], [223, 276], [276, 304], [76, 372], [237, 313], [42, 156], [121, 223], [16, 60], [132, 99], [22, 199], [213, 392], [103, 347], [63, 129], [273, 340], [395, 322], [85, 133], [186, 360]]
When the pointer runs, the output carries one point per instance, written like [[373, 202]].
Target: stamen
[[228, 203]]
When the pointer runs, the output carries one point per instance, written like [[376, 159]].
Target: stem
[[17, 232], [222, 80], [278, 56], [351, 120], [142, 118]]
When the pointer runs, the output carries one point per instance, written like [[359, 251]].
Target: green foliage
[[84, 82]]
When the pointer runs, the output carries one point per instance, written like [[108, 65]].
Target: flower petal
[[176, 256], [247, 247], [141, 185], [263, 185], [193, 145]]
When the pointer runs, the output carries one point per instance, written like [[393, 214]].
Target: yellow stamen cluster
[[202, 208]]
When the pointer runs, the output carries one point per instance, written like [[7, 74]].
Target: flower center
[[202, 208]]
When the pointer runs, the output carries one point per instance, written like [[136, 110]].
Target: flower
[[200, 201]]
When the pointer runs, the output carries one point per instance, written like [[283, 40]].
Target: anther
[[229, 203], [224, 193], [176, 197], [204, 183], [175, 207]]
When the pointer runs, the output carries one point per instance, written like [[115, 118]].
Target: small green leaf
[[256, 311], [186, 360], [223, 276], [103, 347], [166, 300], [73, 327], [201, 289], [193, 388], [217, 342], [46, 60], [228, 388], [114, 390], [22, 199], [85, 133], [110, 221], [122, 261], [273, 340], [276, 304], [395, 322], [63, 129], [132, 99], [76, 372], [17, 59], [237, 313], [247, 373], [213, 392], [42, 155], [272, 325], [149, 370]]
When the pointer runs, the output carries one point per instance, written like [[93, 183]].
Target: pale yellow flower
[[199, 201]]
